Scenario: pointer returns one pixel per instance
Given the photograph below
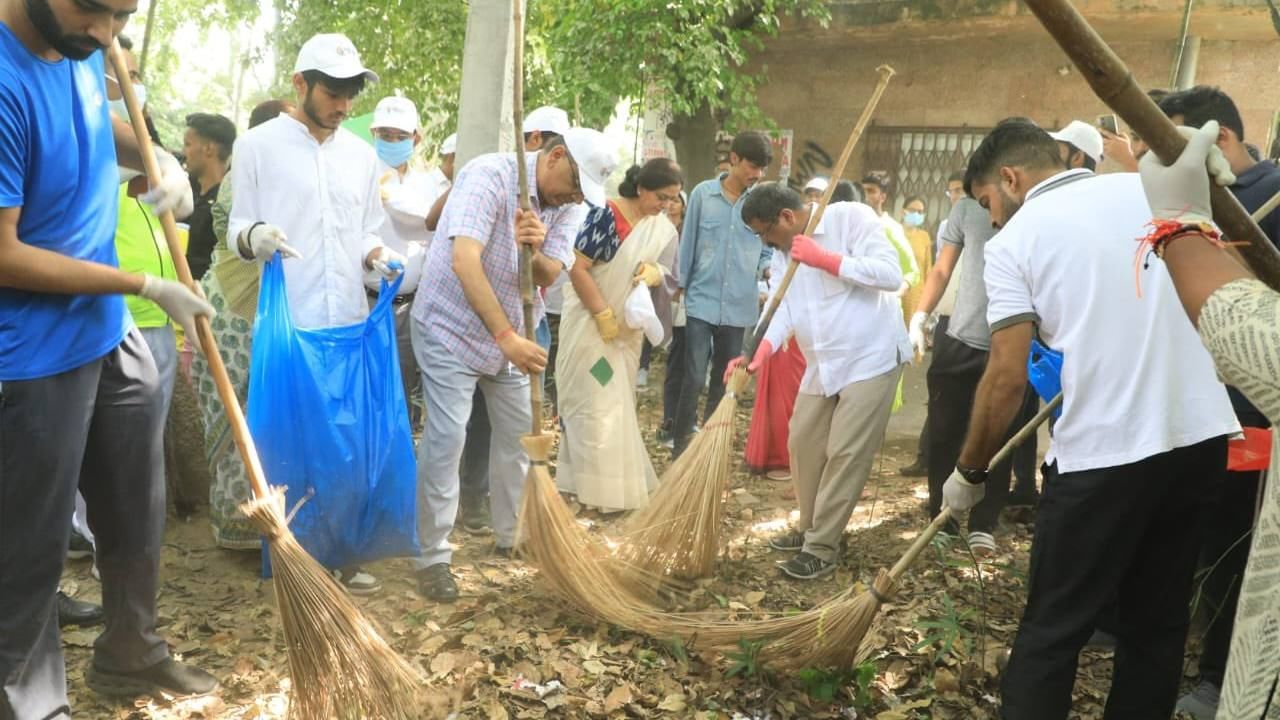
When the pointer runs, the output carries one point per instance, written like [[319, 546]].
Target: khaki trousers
[[833, 443]]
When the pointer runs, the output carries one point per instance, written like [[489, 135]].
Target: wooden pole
[[226, 391], [522, 175], [1114, 85]]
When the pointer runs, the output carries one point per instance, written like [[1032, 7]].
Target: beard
[[76, 47], [309, 108], [1009, 206]]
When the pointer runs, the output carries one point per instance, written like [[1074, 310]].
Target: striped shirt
[[482, 206]]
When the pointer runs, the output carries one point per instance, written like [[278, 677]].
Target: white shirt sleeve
[[244, 194], [1009, 300], [411, 199], [870, 258], [371, 224]]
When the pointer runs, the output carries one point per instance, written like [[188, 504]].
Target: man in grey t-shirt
[[960, 346]]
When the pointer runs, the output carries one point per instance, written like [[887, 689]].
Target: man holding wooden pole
[[468, 321], [78, 386], [1141, 438]]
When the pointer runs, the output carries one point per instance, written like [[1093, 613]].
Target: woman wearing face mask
[[913, 220], [622, 245]]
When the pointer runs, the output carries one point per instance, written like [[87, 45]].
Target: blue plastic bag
[[1044, 372], [327, 412]]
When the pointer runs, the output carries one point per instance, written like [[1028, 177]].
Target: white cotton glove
[[388, 262], [915, 331], [960, 494], [1181, 191], [173, 192], [264, 240], [178, 302]]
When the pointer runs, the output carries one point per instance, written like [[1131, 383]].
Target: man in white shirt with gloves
[[1141, 440], [407, 196], [848, 324], [306, 187]]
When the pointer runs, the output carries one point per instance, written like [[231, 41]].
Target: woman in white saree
[[628, 242]]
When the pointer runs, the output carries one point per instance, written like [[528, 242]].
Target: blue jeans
[[704, 343]]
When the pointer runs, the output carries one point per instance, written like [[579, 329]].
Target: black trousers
[[674, 381], [1128, 535], [473, 468], [1224, 552], [704, 343], [97, 428], [953, 380]]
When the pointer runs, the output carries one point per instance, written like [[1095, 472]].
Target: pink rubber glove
[[763, 351], [807, 251]]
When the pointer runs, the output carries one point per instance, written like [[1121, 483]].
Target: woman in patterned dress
[[602, 455]]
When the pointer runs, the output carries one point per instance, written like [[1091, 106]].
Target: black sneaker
[[789, 541], [476, 518], [807, 567], [80, 547], [167, 676], [435, 582], [915, 469]]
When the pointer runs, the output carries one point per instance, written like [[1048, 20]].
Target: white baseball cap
[[1084, 136], [398, 113], [547, 119], [450, 145], [595, 159], [334, 55], [818, 183]]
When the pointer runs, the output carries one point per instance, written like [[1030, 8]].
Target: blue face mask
[[914, 219], [396, 153]]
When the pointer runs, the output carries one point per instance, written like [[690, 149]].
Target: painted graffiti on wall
[[813, 162]]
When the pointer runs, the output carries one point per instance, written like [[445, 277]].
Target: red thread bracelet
[[1164, 232], [502, 335]]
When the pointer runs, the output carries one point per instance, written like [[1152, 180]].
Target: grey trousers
[[833, 443], [99, 425], [450, 386]]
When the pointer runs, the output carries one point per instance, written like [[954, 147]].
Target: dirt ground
[[934, 650]]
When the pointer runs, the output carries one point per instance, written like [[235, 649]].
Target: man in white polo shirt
[[1079, 145], [308, 188], [407, 192], [1142, 436], [848, 325]]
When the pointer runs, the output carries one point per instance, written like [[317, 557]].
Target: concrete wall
[[818, 92]]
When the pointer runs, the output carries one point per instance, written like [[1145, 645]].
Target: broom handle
[[226, 391], [522, 176], [886, 73], [1018, 438], [1114, 85]]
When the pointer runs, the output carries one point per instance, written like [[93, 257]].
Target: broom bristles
[[678, 532], [339, 664]]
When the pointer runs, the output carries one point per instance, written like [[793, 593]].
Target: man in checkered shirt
[[468, 326]]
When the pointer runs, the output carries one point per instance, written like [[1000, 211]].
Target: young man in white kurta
[[1141, 439], [848, 324]]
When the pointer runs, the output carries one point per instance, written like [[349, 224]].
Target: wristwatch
[[972, 476]]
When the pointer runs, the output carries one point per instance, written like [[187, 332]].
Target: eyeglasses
[[767, 230], [574, 174], [663, 197]]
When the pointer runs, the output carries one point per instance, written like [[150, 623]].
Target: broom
[[831, 634], [1114, 85], [339, 664], [678, 532]]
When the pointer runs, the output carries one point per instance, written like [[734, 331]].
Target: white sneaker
[[357, 582], [642, 380]]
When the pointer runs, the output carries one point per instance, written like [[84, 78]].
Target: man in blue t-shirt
[[80, 399]]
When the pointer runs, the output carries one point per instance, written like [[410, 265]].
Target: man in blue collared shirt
[[720, 263]]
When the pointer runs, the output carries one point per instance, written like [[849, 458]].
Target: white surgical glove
[[388, 262], [264, 240], [960, 494], [915, 331], [178, 302], [173, 192], [1181, 191]]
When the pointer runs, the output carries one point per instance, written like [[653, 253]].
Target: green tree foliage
[[582, 55]]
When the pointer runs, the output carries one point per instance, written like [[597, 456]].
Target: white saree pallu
[[602, 455]]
